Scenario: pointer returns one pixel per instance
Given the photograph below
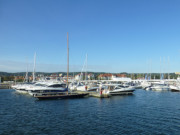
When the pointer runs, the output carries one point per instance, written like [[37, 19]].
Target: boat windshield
[[111, 87], [122, 86], [80, 84], [38, 84], [57, 85], [118, 87]]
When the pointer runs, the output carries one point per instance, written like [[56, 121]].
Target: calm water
[[145, 112]]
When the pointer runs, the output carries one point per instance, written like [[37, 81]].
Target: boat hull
[[175, 90], [21, 91]]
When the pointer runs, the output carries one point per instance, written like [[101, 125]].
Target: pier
[[5, 85], [98, 95]]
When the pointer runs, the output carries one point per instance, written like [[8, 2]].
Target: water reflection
[[144, 112]]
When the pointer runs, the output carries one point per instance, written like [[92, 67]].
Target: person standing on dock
[[101, 92]]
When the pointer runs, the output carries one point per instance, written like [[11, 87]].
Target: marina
[[89, 67], [53, 89]]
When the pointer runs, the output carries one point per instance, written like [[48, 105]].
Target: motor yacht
[[160, 87], [175, 88], [119, 89], [47, 88], [21, 88]]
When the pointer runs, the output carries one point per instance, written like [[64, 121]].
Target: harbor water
[[144, 112]]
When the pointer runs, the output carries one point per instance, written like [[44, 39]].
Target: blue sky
[[117, 35]]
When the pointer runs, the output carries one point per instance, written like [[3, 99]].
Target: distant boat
[[22, 88], [175, 88], [161, 86], [83, 86], [119, 89], [145, 84]]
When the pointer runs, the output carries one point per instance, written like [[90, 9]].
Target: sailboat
[[162, 85], [21, 88], [82, 86], [62, 95]]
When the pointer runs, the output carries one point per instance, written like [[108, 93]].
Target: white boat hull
[[160, 88], [81, 88], [22, 91], [175, 88]]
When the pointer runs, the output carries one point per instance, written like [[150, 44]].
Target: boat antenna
[[34, 67]]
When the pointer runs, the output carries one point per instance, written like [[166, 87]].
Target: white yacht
[[21, 88], [119, 89], [81, 87], [175, 88], [73, 86], [47, 88], [145, 85], [15, 86], [161, 86]]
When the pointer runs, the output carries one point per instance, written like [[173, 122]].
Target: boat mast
[[26, 76], [86, 68], [67, 58], [83, 70], [34, 67], [150, 68], [168, 69]]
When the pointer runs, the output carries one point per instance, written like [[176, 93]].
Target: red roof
[[110, 75]]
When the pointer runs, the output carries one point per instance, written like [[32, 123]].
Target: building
[[90, 76], [105, 76], [70, 78], [78, 77], [111, 76]]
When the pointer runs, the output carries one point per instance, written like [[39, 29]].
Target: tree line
[[11, 76]]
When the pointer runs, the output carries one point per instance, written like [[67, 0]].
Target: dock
[[5, 86], [60, 96], [95, 94]]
